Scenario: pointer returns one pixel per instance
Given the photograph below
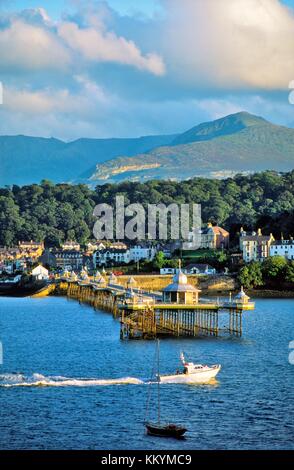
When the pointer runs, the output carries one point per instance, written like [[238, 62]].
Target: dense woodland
[[274, 273], [57, 212]]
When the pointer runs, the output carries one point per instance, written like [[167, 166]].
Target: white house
[[40, 273], [111, 256], [139, 252], [199, 268], [168, 270], [255, 246], [283, 248]]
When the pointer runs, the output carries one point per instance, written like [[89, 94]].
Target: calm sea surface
[[77, 353]]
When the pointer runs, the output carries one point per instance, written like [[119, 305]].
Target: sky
[[126, 68]]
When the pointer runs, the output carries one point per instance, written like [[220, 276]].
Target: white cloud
[[105, 46], [207, 50], [30, 47], [38, 102], [85, 112], [230, 43], [93, 111], [31, 41], [83, 102]]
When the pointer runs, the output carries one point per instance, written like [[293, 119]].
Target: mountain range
[[26, 160], [236, 143]]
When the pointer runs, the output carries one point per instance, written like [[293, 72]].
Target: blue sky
[[55, 7], [77, 68]]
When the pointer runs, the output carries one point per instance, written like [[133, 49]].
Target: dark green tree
[[250, 276]]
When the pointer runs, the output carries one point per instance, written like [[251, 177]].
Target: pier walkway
[[144, 316]]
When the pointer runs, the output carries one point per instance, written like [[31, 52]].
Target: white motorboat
[[192, 373]]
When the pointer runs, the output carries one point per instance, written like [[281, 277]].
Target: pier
[[153, 320], [146, 316]]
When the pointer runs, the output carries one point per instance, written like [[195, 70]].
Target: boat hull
[[199, 377], [169, 430], [21, 290]]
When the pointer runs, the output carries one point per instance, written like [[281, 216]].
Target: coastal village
[[110, 275], [153, 263], [72, 257]]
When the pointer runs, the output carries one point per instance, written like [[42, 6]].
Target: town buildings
[[111, 256], [30, 245], [255, 246], [71, 246], [40, 273], [119, 253], [212, 237], [18, 258], [142, 252], [30, 250], [283, 248], [68, 260], [193, 268]]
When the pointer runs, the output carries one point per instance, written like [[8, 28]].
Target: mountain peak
[[248, 118], [226, 125]]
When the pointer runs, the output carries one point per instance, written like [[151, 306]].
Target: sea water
[[68, 382]]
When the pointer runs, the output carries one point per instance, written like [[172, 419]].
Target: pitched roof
[[180, 284], [261, 238], [283, 243], [220, 231], [216, 230], [198, 266]]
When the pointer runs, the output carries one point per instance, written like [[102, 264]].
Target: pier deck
[[143, 316]]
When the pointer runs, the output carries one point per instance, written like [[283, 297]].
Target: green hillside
[[237, 143], [225, 126]]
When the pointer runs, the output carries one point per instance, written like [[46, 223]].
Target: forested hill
[[58, 212]]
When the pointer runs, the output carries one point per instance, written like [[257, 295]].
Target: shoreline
[[271, 293]]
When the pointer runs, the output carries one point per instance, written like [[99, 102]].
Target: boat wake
[[39, 380]]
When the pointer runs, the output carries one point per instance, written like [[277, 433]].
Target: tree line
[[273, 272], [56, 212]]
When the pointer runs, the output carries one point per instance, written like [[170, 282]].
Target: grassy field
[[199, 254]]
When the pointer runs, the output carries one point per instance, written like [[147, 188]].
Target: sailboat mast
[[158, 379]]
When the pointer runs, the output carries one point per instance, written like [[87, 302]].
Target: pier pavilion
[[179, 312], [180, 292]]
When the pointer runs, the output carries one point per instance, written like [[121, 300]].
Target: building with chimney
[[212, 237], [283, 248], [255, 246]]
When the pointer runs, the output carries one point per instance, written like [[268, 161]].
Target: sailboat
[[159, 428]]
